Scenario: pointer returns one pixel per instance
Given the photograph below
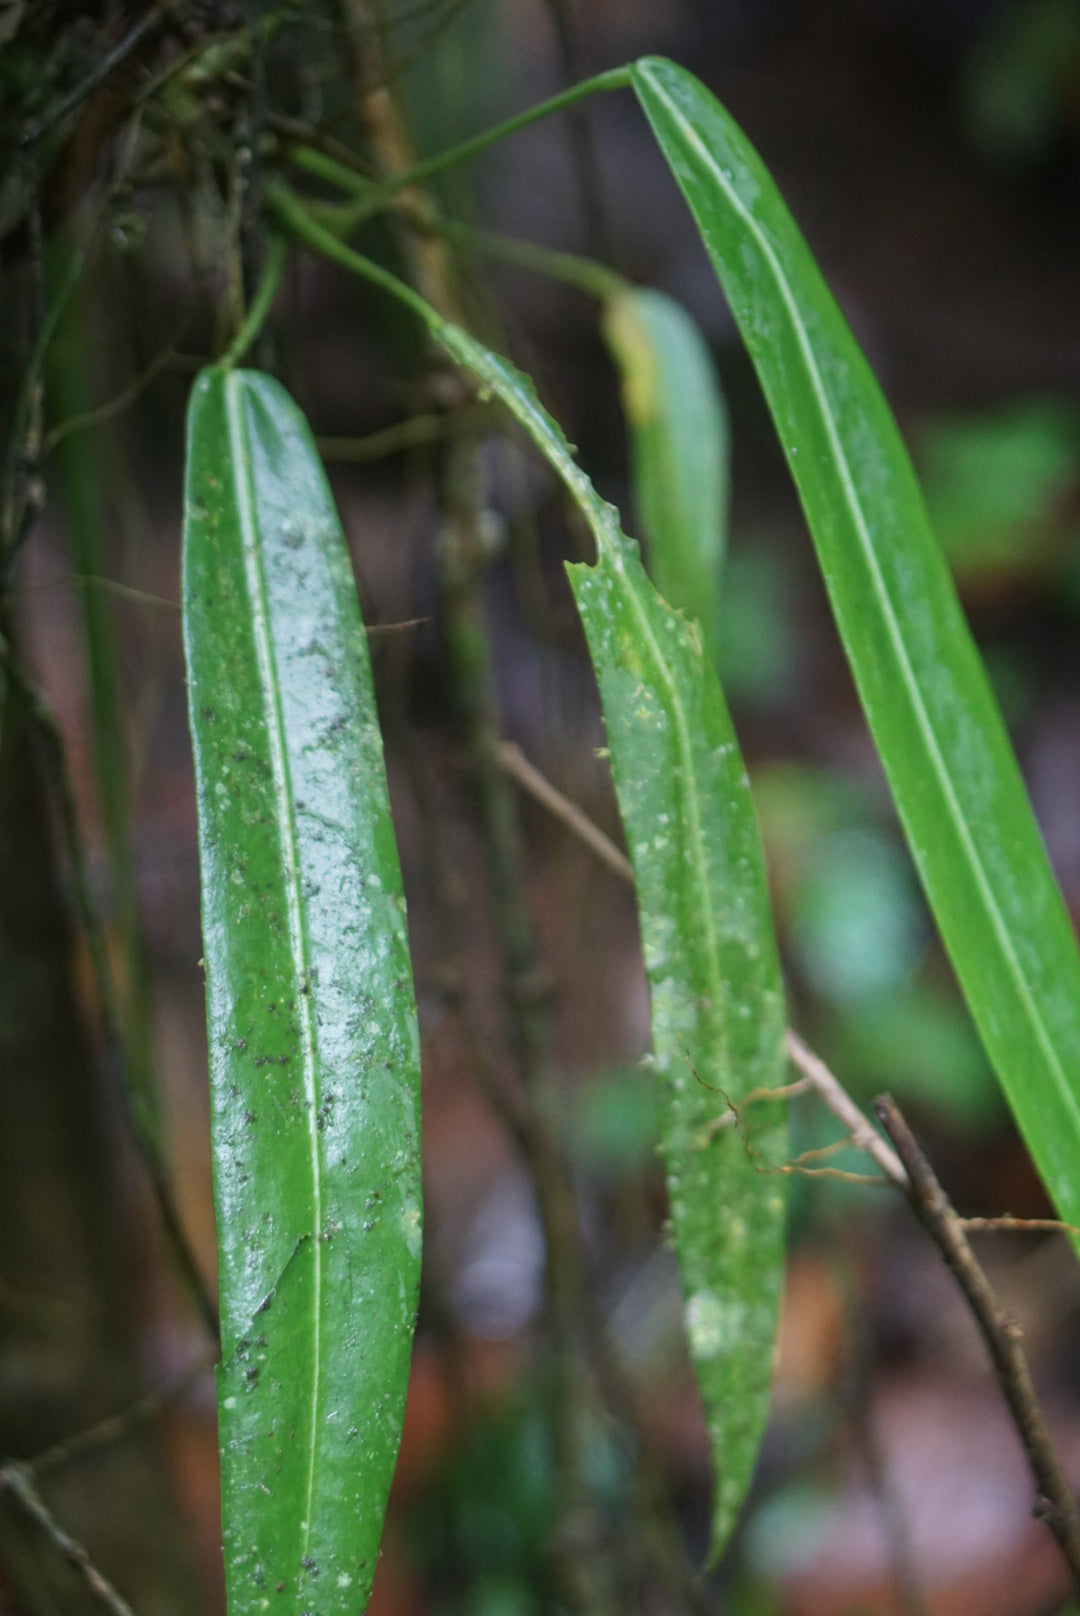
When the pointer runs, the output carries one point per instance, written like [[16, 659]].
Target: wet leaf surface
[[313, 1045]]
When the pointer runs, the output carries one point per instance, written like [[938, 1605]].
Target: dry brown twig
[[17, 1481], [1054, 1502]]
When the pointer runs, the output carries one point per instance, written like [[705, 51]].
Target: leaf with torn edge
[[717, 1009], [314, 1058]]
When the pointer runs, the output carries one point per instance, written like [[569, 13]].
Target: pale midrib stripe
[[888, 614], [290, 856], [690, 789]]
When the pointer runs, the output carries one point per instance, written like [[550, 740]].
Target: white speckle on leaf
[[711, 1324], [411, 1223]]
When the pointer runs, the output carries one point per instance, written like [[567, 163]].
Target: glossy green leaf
[[312, 1030], [678, 448], [944, 748], [716, 1002], [710, 951]]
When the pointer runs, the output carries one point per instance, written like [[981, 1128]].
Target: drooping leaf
[[710, 950], [948, 760], [716, 1005], [717, 1008], [678, 448], [312, 1030]]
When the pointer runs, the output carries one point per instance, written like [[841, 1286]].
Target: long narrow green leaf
[[945, 751], [678, 448], [710, 952], [717, 1008], [312, 1030], [716, 1003]]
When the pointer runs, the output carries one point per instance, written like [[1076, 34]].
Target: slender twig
[[111, 408], [513, 762], [616, 79], [1003, 1336], [838, 1101], [115, 1427], [411, 433], [406, 623], [1010, 1225], [587, 274], [844, 1108], [92, 580], [273, 268], [16, 1480]]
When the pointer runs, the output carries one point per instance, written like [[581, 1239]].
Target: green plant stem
[[593, 278], [269, 281], [321, 166], [616, 79], [292, 213], [585, 273], [412, 433]]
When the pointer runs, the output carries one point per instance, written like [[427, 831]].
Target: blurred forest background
[[931, 154]]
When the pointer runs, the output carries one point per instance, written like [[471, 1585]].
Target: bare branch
[[844, 1108], [117, 1426], [513, 762], [15, 1479], [1010, 1225], [1054, 1501]]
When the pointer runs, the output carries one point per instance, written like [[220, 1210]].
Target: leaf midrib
[[851, 496], [688, 780], [288, 841]]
